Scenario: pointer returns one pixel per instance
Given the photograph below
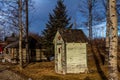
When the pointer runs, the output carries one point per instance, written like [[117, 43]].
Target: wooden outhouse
[[70, 51]]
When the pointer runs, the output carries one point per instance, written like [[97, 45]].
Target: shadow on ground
[[97, 62]]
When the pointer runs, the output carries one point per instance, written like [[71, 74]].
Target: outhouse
[[70, 51]]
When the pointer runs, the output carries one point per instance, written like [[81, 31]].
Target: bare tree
[[107, 27], [106, 7], [9, 9], [27, 24], [87, 10], [90, 19], [113, 71], [20, 34], [10, 13]]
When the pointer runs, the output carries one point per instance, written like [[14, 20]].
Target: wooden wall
[[76, 57], [12, 54]]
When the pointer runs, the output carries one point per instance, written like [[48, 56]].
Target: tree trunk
[[107, 30], [27, 21], [107, 26], [20, 34], [113, 71], [90, 20]]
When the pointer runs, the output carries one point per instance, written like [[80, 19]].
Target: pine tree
[[58, 20]]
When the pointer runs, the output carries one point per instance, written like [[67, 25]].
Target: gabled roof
[[15, 44], [73, 35], [11, 39], [3, 44]]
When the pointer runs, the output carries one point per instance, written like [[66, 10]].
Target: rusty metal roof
[[73, 35]]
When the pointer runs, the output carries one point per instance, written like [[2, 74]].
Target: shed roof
[[73, 35], [11, 39], [15, 44]]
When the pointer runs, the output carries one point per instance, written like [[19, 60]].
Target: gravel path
[[7, 74]]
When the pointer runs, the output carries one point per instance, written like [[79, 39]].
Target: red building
[[1, 50]]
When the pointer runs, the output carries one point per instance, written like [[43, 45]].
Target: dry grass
[[45, 70]]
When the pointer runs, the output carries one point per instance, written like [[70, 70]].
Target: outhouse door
[[59, 51]]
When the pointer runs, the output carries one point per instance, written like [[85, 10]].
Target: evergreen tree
[[58, 20]]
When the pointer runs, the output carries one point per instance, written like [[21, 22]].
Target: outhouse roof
[[73, 35]]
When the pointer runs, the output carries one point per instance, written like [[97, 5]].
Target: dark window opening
[[59, 50]]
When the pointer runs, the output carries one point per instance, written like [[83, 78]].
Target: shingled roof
[[73, 35]]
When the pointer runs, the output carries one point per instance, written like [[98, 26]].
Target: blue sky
[[39, 15], [42, 8]]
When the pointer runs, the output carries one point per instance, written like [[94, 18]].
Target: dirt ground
[[45, 70]]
